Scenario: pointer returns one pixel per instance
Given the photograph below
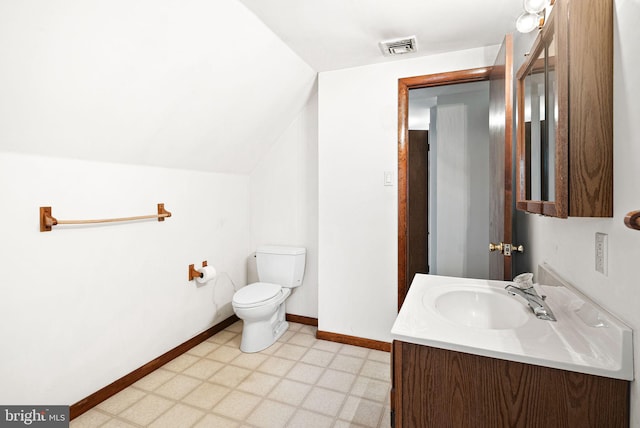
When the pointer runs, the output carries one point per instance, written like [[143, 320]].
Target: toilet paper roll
[[208, 273]]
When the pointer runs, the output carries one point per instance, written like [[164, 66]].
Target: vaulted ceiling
[[198, 84]]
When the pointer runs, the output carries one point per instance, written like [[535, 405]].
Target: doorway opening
[[413, 244]]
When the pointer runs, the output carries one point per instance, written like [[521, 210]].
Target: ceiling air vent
[[399, 46]]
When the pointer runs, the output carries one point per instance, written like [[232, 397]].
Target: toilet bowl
[[261, 305]]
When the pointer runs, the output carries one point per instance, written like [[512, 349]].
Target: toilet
[[261, 305]]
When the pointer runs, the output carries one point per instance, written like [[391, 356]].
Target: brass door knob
[[506, 249], [496, 247]]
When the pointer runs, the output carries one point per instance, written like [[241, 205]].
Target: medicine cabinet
[[565, 114]]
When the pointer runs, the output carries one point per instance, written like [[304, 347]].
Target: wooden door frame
[[404, 85]]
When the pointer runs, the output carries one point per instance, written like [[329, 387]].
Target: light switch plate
[[602, 241], [388, 178]]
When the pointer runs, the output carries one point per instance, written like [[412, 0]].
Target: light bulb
[[528, 22], [535, 6]]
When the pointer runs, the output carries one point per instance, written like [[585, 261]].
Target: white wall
[[358, 125], [82, 306], [569, 245], [284, 202]]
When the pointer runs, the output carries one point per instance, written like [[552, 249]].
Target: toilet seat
[[256, 294]]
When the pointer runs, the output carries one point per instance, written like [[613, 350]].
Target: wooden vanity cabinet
[[565, 114], [433, 387]]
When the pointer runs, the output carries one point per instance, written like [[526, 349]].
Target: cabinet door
[[565, 116], [541, 186]]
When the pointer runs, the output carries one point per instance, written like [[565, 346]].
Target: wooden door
[[500, 159], [417, 205]]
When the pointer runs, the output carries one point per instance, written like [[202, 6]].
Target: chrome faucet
[[524, 288]]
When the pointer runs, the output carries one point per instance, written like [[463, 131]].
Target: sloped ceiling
[[194, 84]]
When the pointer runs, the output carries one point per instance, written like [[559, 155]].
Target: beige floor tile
[[325, 345], [177, 387], [376, 370], [306, 419], [180, 363], [272, 349], [236, 327], [318, 357], [224, 354], [179, 416], [154, 379], [305, 373], [222, 337], [121, 400], [203, 369], [295, 326], [345, 424], [276, 366], [380, 356], [309, 329], [117, 423], [146, 410], [304, 382], [230, 376], [354, 351], [259, 383], [215, 421], [203, 349], [385, 421], [271, 414], [286, 336], [237, 405], [249, 361], [290, 392], [336, 380], [291, 352], [346, 363], [206, 395], [301, 339], [371, 389], [92, 418], [324, 401], [235, 342], [362, 411]]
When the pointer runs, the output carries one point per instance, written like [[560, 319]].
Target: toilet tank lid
[[273, 249]]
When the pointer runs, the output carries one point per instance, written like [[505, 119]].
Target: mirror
[[540, 111], [538, 128]]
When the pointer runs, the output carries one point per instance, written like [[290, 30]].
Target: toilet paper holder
[[193, 273]]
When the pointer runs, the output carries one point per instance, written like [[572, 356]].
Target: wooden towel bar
[[47, 220]]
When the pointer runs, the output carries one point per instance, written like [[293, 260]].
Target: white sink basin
[[477, 316], [484, 309]]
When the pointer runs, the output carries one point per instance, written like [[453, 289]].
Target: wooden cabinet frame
[[584, 135]]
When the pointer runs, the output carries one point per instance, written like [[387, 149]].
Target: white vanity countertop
[[584, 339]]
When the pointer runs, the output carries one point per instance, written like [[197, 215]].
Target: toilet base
[[260, 334]]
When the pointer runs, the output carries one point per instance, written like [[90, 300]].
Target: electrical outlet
[[601, 252]]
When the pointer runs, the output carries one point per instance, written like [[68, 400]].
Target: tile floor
[[297, 382]]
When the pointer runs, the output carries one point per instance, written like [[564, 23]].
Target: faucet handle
[[524, 281]]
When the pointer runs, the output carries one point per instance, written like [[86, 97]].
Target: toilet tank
[[281, 265]]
